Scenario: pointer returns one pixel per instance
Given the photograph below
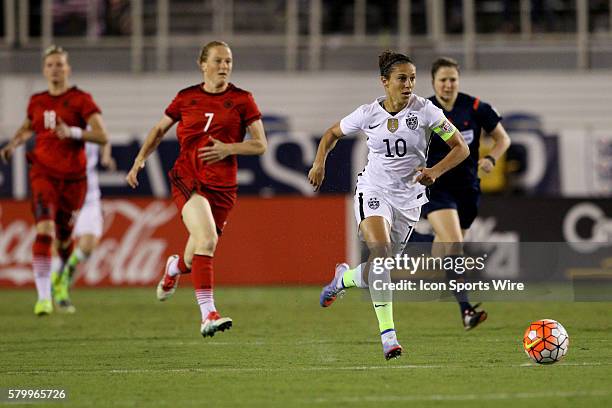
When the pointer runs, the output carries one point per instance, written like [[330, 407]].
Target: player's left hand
[[108, 162], [485, 165], [62, 130], [215, 152], [7, 152], [426, 177], [132, 176]]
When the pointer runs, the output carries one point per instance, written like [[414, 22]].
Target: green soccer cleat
[[60, 284], [66, 306], [43, 307], [56, 278]]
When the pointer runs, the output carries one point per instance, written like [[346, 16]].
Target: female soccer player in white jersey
[[391, 189], [87, 229]]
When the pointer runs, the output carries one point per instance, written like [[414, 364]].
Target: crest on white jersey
[[412, 122], [392, 124], [373, 203]]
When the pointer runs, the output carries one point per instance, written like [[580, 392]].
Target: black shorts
[[465, 201]]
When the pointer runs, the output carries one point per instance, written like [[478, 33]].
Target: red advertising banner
[[267, 241]]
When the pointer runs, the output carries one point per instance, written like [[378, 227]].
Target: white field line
[[257, 343], [283, 369], [463, 397], [374, 399]]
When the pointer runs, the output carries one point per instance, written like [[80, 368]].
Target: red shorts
[[221, 201], [56, 199]]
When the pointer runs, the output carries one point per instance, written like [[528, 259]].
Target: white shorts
[[89, 220], [402, 221]]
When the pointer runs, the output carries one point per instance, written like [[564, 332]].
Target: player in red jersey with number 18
[[213, 118], [62, 119]]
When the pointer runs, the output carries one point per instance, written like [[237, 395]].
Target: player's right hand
[[132, 176], [316, 175], [61, 129], [6, 153]]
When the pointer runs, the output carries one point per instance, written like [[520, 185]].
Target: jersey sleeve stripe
[[476, 103], [172, 116], [252, 119], [87, 114]]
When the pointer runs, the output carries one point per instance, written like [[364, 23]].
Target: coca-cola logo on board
[[131, 251]]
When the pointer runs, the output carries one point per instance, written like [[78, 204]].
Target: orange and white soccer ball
[[546, 341]]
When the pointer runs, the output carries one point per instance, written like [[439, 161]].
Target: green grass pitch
[[124, 348]]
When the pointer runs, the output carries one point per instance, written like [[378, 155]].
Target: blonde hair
[[207, 47], [54, 49]]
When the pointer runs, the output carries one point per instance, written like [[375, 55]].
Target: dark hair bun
[[388, 59]]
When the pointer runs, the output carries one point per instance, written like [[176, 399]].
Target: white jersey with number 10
[[397, 145]]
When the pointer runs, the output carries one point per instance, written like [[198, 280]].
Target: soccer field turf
[[124, 348]]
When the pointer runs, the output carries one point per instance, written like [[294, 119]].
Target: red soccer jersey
[[202, 115], [60, 158]]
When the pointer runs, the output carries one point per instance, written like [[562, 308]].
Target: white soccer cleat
[[331, 291], [214, 323], [168, 284], [391, 347]]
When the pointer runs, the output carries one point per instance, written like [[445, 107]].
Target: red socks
[[42, 246], [202, 272], [202, 278], [182, 266]]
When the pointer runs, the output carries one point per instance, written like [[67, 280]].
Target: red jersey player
[[213, 118], [62, 118]]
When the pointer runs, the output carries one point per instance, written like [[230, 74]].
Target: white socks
[[205, 301], [42, 276]]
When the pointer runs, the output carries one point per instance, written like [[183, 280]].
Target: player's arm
[[153, 140], [21, 136], [326, 145], [106, 158], [458, 153], [502, 142], [255, 146], [95, 132]]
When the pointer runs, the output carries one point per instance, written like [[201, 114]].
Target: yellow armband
[[444, 129]]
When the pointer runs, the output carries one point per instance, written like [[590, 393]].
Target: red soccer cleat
[[214, 323], [168, 284]]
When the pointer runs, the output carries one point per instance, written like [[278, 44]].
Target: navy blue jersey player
[[454, 197]]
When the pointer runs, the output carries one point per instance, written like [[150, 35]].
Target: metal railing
[[299, 28]]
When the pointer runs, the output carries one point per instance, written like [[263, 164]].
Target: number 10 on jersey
[[400, 148]]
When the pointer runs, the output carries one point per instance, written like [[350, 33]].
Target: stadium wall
[[558, 119], [312, 102], [267, 241]]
